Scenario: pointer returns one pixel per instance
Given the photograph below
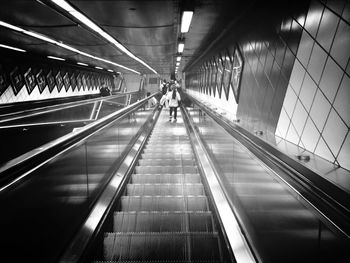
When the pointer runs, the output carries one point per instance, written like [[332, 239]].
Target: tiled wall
[[268, 65], [316, 110], [25, 79], [216, 82]]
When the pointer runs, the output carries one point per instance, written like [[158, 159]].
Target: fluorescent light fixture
[[110, 70], [4, 24], [86, 21], [62, 45], [186, 19], [83, 64], [178, 58], [13, 48], [98, 67], [52, 57], [180, 47], [177, 63]]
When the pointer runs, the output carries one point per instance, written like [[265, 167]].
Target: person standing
[[174, 101], [164, 90]]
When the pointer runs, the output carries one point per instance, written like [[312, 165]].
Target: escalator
[[120, 194], [164, 214]]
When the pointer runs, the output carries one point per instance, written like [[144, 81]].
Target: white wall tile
[[340, 48], [316, 63], [342, 100], [334, 132], [344, 154], [290, 100], [330, 79], [305, 48], [313, 17], [307, 92], [283, 123], [327, 29], [292, 135], [310, 136], [323, 151], [297, 76], [299, 117], [320, 110]]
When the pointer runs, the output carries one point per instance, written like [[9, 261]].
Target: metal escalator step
[[168, 150], [166, 162], [161, 246], [157, 261], [167, 142], [154, 155], [164, 203], [166, 169], [164, 189], [165, 178], [163, 222], [174, 147]]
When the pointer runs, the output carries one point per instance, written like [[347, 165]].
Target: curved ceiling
[[149, 29]]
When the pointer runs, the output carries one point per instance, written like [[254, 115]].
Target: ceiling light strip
[[13, 48], [62, 45], [86, 21]]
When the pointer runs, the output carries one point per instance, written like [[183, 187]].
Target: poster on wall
[[236, 73], [88, 81], [227, 74], [79, 82], [219, 74], [117, 85], [59, 81], [29, 80], [50, 80], [4, 83], [73, 81], [83, 78], [66, 81], [213, 76], [40, 79], [16, 80]]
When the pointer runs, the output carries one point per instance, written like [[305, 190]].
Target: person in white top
[[174, 101]]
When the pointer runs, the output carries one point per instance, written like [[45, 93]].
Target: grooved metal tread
[[154, 221], [161, 246]]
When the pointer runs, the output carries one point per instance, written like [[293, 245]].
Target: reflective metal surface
[[278, 223], [41, 215], [26, 130]]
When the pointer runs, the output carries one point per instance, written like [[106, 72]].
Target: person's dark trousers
[[175, 112]]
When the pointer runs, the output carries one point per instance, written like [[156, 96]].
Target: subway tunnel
[[95, 168]]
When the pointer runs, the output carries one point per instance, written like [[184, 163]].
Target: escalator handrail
[[241, 248], [18, 168], [51, 108], [313, 185]]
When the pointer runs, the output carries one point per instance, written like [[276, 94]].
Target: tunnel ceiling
[[149, 29]]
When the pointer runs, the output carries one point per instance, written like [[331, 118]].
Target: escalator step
[[153, 155], [168, 150], [168, 147], [166, 162], [164, 261], [166, 169], [163, 222], [161, 246], [164, 189], [165, 178], [164, 203]]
